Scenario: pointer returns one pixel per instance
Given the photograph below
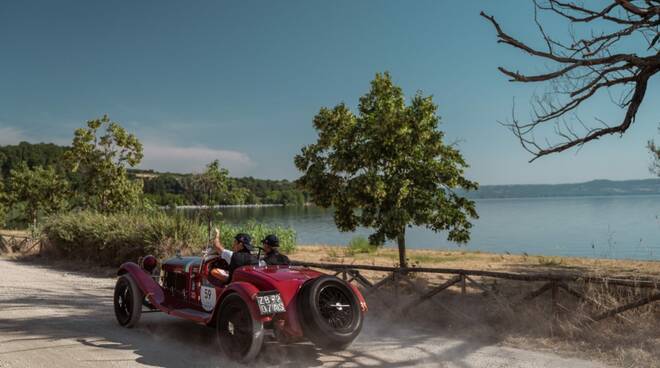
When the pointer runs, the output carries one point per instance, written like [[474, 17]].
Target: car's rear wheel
[[240, 336], [128, 301], [330, 311]]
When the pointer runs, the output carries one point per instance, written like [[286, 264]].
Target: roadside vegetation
[[87, 206], [160, 189], [111, 239]]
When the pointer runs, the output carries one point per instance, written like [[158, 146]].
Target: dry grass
[[16, 233], [482, 261], [630, 340]]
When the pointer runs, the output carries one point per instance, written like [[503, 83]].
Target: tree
[[209, 189], [595, 60], [654, 168], [34, 154], [3, 201], [387, 168], [41, 189], [101, 164]]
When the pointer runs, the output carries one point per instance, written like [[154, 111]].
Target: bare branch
[[585, 66]]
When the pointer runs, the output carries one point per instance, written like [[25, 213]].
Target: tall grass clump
[[111, 239], [360, 244], [116, 238]]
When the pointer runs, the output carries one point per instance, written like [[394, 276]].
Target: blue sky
[[241, 80]]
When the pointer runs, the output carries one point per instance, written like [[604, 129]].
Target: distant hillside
[[167, 188], [590, 188]]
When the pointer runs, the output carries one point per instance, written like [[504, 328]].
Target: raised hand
[[216, 240]]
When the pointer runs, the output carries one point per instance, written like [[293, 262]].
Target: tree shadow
[[161, 340]]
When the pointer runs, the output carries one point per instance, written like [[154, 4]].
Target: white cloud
[[10, 135], [168, 157]]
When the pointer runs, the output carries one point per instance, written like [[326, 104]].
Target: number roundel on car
[[208, 298]]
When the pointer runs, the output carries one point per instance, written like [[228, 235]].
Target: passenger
[[273, 257], [240, 255]]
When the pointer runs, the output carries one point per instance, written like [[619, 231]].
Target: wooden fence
[[464, 278], [12, 243]]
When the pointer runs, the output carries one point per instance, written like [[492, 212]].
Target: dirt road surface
[[52, 318]]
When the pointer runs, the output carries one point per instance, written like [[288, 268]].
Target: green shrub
[[111, 239], [360, 244]]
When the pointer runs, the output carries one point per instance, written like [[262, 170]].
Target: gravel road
[[51, 318]]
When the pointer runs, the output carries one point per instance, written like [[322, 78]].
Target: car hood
[[183, 263]]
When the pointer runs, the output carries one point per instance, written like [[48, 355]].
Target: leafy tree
[[41, 189], [3, 200], [39, 154], [101, 163], [237, 195], [208, 189], [387, 168]]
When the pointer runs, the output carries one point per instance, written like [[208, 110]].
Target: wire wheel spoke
[[335, 307], [237, 331]]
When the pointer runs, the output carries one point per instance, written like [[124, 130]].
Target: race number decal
[[208, 298]]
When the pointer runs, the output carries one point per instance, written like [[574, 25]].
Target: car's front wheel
[[330, 311], [128, 301], [240, 336]]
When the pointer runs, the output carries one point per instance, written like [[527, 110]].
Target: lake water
[[603, 227]]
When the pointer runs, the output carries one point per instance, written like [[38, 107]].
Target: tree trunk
[[401, 241], [210, 224], [209, 214]]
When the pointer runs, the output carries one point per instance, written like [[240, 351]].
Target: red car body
[[183, 289]]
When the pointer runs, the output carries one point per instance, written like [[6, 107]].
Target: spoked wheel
[[128, 301], [335, 307], [240, 336], [331, 315]]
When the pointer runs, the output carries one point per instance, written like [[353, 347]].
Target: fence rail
[[552, 282], [19, 243]]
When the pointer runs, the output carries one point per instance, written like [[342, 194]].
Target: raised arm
[[216, 241]]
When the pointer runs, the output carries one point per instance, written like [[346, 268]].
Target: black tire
[[128, 301], [330, 311], [240, 336]]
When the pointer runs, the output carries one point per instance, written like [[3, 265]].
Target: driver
[[240, 255]]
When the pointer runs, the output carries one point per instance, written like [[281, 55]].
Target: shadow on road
[[49, 311], [85, 324]]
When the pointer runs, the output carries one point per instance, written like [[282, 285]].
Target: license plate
[[270, 302]]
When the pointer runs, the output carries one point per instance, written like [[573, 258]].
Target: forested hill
[[590, 188], [39, 154], [168, 188], [161, 188]]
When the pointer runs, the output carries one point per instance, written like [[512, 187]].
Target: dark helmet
[[244, 239], [271, 240]]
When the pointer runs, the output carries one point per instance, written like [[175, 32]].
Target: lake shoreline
[[479, 260]]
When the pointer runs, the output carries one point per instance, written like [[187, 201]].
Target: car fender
[[145, 282], [248, 292], [363, 303]]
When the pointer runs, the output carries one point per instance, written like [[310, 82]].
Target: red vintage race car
[[288, 303]]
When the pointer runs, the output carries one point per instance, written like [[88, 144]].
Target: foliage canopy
[[3, 200], [101, 162], [387, 167], [41, 189]]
